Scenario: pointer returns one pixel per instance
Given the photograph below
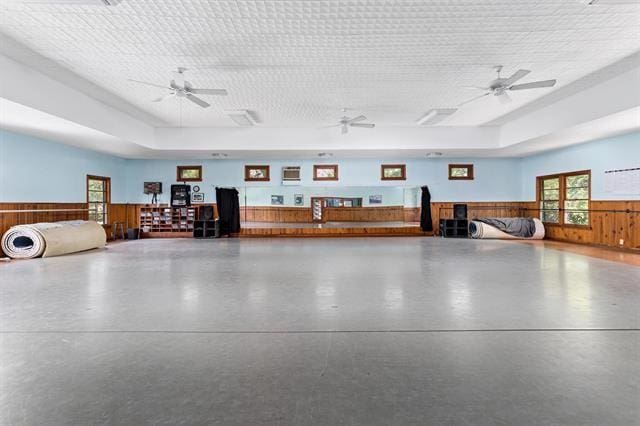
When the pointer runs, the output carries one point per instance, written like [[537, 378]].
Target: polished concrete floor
[[377, 331]]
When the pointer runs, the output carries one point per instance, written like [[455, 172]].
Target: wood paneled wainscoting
[[12, 214], [364, 214], [275, 214], [609, 223]]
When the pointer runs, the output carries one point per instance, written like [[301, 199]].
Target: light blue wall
[[606, 154], [495, 179], [37, 170]]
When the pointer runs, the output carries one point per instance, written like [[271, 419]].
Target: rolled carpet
[[481, 230], [52, 239]]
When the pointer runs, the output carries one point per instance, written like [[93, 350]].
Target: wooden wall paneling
[[364, 214], [275, 214], [411, 214], [39, 212]]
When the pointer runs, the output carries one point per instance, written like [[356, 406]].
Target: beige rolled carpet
[[52, 239], [482, 230]]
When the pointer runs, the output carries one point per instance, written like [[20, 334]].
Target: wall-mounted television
[[153, 187]]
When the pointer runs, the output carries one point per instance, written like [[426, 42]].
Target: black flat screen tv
[[153, 187]]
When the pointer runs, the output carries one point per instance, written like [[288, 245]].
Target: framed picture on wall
[[256, 173], [460, 171], [197, 197], [189, 174], [375, 199], [393, 172], [325, 172], [298, 199], [277, 200]]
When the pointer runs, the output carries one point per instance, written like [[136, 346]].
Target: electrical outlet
[[621, 242]]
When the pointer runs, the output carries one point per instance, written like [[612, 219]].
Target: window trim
[[469, 167], [248, 178], [107, 203], [562, 198], [402, 167], [179, 170], [316, 167]]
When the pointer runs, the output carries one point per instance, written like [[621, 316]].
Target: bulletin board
[[622, 181]]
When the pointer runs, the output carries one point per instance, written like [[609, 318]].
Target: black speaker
[[180, 195], [459, 211], [206, 213]]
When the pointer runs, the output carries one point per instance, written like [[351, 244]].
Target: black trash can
[[133, 233]]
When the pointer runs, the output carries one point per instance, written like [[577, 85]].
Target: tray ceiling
[[297, 63]]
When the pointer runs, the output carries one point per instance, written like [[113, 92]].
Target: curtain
[[228, 210], [425, 210]]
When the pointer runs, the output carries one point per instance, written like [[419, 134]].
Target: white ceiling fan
[[346, 122], [181, 88], [500, 86]]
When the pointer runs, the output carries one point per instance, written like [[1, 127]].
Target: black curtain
[[425, 211], [228, 210]]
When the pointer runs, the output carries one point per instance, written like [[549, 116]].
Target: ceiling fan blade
[[196, 100], [356, 119], [473, 99], [533, 85], [504, 98], [515, 77], [367, 125], [148, 84], [218, 92], [474, 88], [345, 129], [162, 98]]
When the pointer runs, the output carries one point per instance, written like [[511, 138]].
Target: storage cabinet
[[454, 228], [167, 221]]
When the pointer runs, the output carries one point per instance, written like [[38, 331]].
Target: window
[[460, 171], [98, 198], [189, 174], [576, 199], [564, 198], [325, 172], [550, 200], [393, 172], [256, 173]]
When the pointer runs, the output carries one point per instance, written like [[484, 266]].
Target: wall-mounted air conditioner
[[291, 175]]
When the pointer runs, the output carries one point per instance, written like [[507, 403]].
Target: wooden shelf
[[167, 222]]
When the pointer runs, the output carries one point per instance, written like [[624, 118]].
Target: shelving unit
[[167, 222], [454, 228]]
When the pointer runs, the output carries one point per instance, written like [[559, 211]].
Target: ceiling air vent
[[75, 2], [242, 117], [435, 116], [608, 2]]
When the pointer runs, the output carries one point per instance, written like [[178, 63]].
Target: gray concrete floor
[[320, 331]]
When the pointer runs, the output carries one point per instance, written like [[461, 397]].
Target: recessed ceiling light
[[435, 116], [219, 155], [434, 154], [325, 154]]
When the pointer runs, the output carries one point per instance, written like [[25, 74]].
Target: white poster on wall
[[622, 181]]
